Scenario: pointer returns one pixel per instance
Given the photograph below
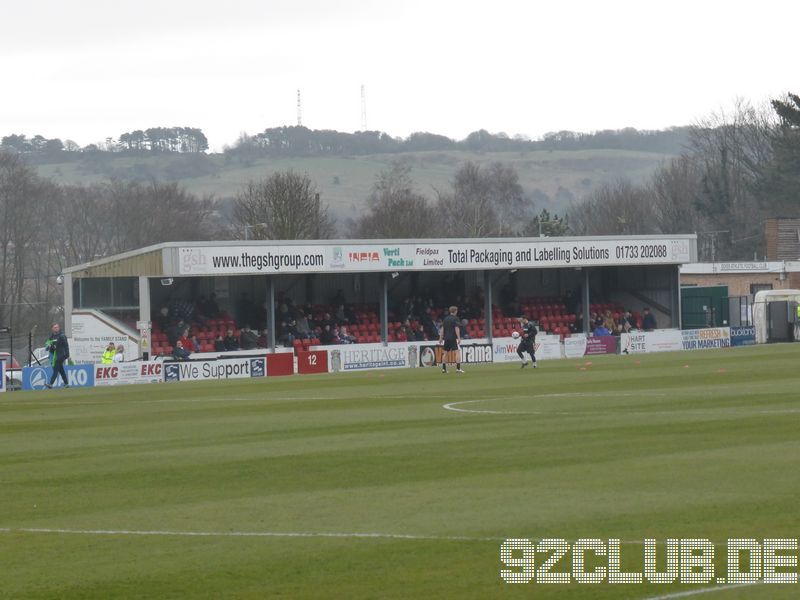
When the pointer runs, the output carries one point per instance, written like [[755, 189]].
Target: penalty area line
[[697, 592]]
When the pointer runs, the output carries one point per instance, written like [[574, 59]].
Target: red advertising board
[[280, 363], [602, 344], [315, 361]]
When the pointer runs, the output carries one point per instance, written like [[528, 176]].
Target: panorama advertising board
[[331, 258], [470, 353]]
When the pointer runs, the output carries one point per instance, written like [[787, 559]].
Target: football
[[515, 334]]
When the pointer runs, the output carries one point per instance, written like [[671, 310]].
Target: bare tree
[[619, 208], [396, 210], [484, 202], [284, 206]]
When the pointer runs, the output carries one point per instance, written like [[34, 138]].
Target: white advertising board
[[128, 372], [547, 347], [641, 342], [701, 339], [331, 258], [233, 368], [353, 357]]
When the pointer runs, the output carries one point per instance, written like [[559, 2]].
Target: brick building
[[744, 278]]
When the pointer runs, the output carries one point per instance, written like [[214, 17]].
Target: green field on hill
[[345, 182], [371, 485]]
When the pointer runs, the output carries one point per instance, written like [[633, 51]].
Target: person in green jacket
[[108, 355]]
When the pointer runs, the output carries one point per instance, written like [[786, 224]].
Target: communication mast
[[363, 109], [299, 111]]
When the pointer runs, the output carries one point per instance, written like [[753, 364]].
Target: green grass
[[630, 447]]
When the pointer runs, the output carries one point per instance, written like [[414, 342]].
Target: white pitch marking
[[697, 592], [289, 534]]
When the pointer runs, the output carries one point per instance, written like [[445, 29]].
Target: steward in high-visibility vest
[[108, 355]]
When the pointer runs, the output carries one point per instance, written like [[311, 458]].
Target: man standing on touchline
[[58, 347], [450, 337]]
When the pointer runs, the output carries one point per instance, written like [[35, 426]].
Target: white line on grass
[[697, 592], [281, 534]]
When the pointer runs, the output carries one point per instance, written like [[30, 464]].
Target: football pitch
[[396, 484]]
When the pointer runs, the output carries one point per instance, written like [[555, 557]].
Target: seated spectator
[[108, 354], [345, 337], [287, 333], [626, 322], [195, 345], [649, 320], [326, 320], [601, 330], [464, 333], [230, 342], [263, 339], [326, 337], [219, 344], [119, 355], [302, 325], [419, 335], [180, 353], [608, 321], [186, 340], [248, 339]]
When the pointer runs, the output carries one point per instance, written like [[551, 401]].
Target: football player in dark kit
[[529, 332], [450, 337]]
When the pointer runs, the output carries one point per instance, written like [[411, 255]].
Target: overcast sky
[[88, 69]]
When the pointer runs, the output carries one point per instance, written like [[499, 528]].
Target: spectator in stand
[[419, 334], [464, 333], [608, 321], [108, 354], [601, 330], [180, 353], [326, 337], [406, 331], [326, 320], [195, 346], [174, 332], [248, 339], [219, 344], [230, 342], [283, 314], [345, 337], [263, 339], [287, 333], [119, 355], [429, 326], [649, 320], [302, 326], [626, 322], [163, 318], [185, 339]]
